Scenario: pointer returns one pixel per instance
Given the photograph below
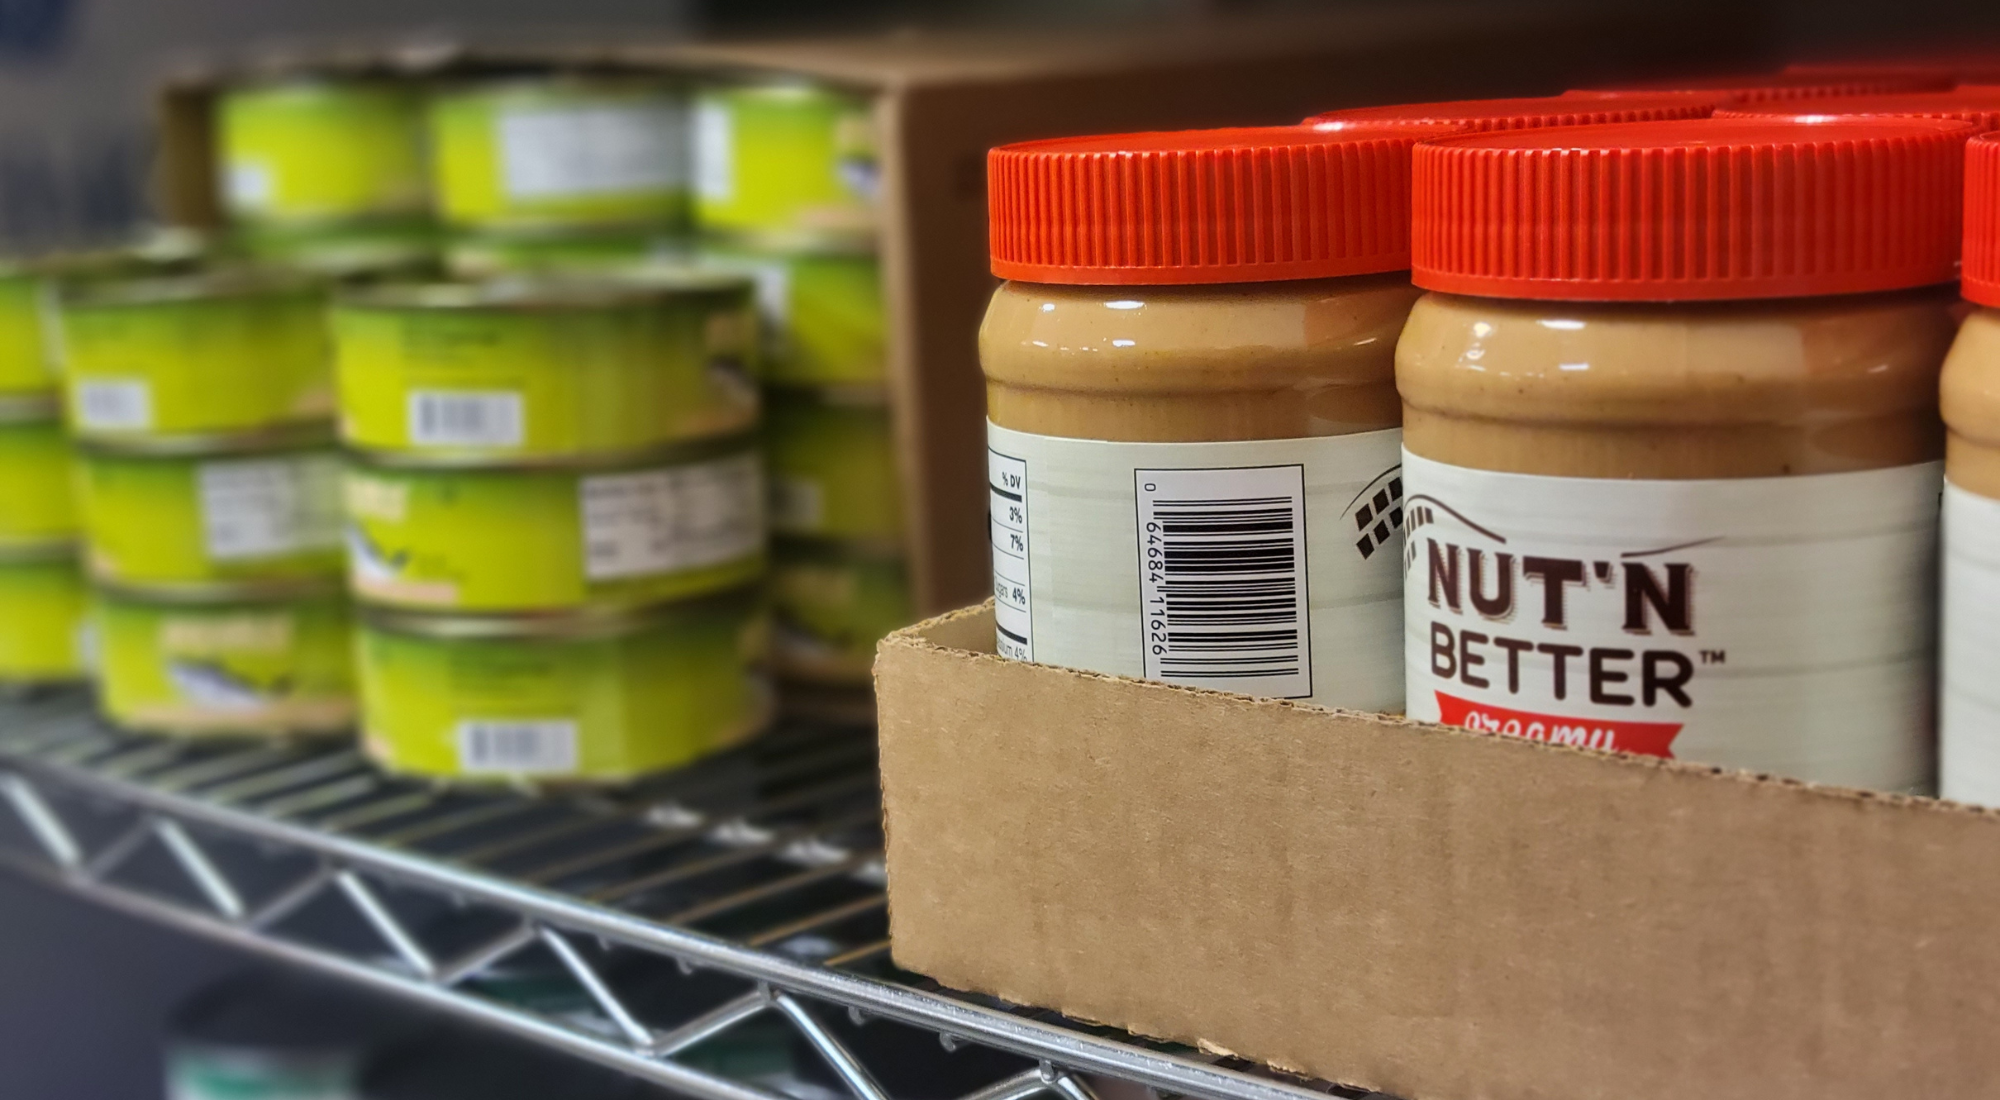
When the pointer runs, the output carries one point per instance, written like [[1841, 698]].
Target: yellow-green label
[[27, 362], [317, 152], [552, 382], [600, 708], [561, 154], [234, 667], [37, 501], [213, 364], [784, 161], [188, 520], [42, 616], [832, 470], [540, 540], [832, 607], [484, 255], [821, 315]]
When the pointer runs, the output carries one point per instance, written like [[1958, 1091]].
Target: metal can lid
[[39, 553], [303, 436], [224, 593], [30, 408], [155, 289], [527, 85], [586, 624], [679, 452], [561, 291]]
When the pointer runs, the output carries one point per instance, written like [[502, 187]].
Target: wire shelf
[[651, 920]]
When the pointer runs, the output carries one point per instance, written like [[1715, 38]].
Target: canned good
[[544, 539], [832, 466], [785, 162], [544, 369], [195, 355], [345, 253], [563, 251], [323, 150], [821, 313], [42, 617], [831, 604], [27, 361], [37, 500], [247, 509], [601, 697], [561, 151], [276, 663]]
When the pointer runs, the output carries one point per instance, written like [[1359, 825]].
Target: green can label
[[27, 361], [262, 666], [832, 607], [602, 708], [490, 381], [785, 162], [152, 519], [833, 470], [541, 540], [323, 152], [200, 365], [561, 153], [486, 255], [821, 315], [37, 497], [43, 606]]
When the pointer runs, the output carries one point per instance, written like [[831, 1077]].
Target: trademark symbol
[[1715, 656]]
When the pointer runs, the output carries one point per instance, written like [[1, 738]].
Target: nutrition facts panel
[[1007, 508]]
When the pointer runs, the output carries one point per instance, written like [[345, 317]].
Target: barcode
[[1223, 579], [114, 405], [517, 745], [465, 418]]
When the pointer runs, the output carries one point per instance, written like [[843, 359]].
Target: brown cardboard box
[[944, 99], [1435, 913]]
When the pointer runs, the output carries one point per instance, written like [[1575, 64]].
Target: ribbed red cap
[[1979, 107], [1690, 211], [1521, 114], [1980, 274], [1203, 206], [1768, 86]]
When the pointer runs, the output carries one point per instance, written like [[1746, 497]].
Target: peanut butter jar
[[1671, 445], [1969, 711], [1193, 424]]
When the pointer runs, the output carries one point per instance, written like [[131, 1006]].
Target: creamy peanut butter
[[1672, 486], [1193, 418]]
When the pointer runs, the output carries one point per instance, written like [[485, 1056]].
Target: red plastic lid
[[1979, 107], [1518, 114], [1803, 85], [1980, 275], [1690, 211], [1203, 206]]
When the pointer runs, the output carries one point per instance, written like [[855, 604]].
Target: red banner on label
[[1644, 738]]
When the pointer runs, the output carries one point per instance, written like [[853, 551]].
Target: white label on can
[[1778, 624], [606, 149], [466, 418], [252, 185], [798, 505], [517, 745], [266, 507], [714, 150], [1267, 567], [114, 404], [662, 521], [1969, 709]]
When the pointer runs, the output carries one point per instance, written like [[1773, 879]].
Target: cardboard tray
[[1432, 912]]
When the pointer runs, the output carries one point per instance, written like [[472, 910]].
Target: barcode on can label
[[265, 507], [1222, 574], [1007, 517], [466, 418], [517, 745], [662, 521], [114, 404]]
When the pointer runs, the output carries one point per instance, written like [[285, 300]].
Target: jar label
[[1266, 567], [680, 517], [603, 149], [1969, 718], [1778, 624], [267, 507]]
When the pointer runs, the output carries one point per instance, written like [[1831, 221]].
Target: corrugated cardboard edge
[[1936, 1060]]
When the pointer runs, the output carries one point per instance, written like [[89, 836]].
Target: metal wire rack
[[742, 891]]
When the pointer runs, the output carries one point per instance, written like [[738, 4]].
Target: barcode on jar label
[[114, 404], [1222, 573], [466, 418], [517, 745], [264, 507], [660, 521]]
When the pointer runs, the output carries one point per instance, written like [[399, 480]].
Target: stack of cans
[[209, 491], [555, 524], [326, 174], [786, 190], [42, 597]]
